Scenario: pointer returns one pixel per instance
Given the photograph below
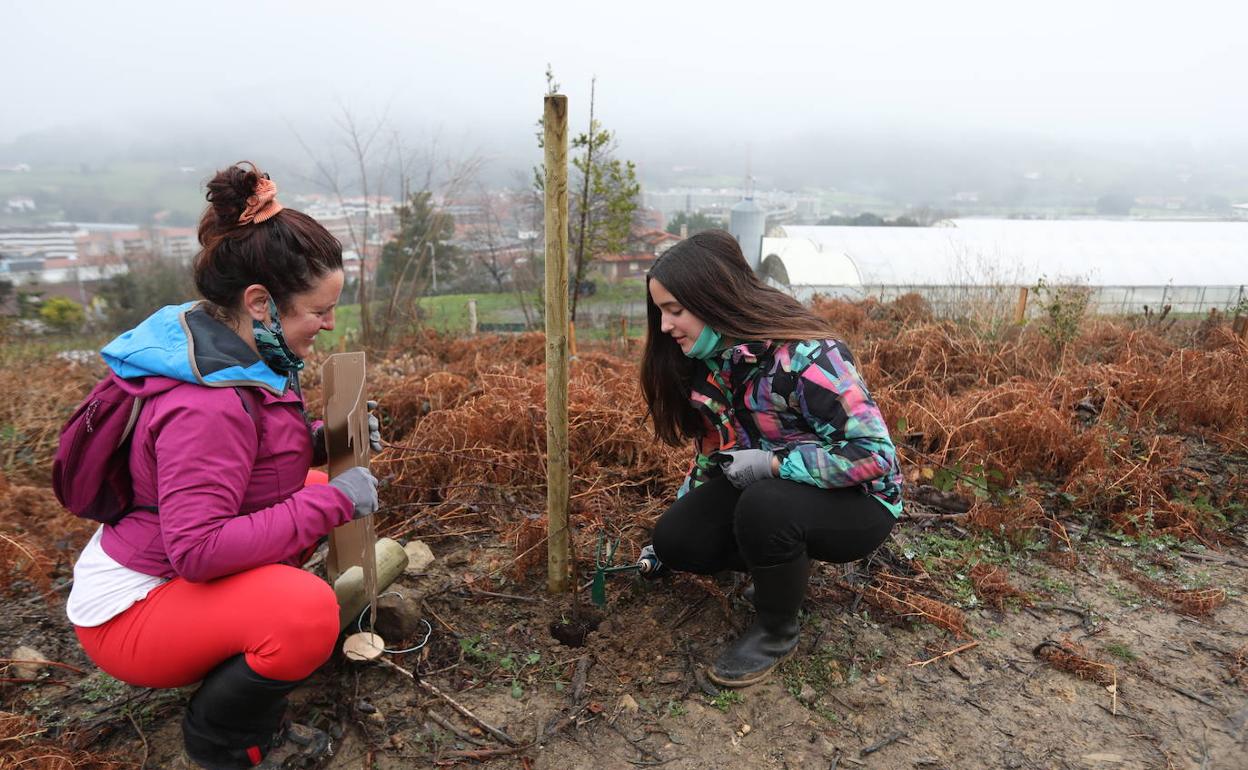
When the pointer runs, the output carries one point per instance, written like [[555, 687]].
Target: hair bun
[[228, 191]]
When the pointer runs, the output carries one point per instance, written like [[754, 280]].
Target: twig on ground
[[579, 678], [954, 651], [480, 755], [446, 724], [9, 661], [459, 707], [142, 737], [881, 744]]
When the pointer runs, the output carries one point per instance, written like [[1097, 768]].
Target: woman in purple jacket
[[792, 458], [201, 581]]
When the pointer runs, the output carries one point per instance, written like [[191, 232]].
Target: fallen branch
[[463, 710], [450, 727], [479, 755]]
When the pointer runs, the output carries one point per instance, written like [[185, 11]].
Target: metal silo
[[748, 224]]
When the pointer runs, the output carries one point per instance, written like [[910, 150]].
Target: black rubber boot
[[772, 637], [234, 717]]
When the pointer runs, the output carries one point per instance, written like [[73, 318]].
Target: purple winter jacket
[[227, 498]]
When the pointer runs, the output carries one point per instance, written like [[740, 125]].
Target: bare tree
[[375, 152]]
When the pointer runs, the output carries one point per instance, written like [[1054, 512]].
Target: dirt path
[[852, 697]]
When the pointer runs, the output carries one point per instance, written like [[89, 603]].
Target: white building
[[51, 241]]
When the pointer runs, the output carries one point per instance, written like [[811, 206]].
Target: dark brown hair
[[285, 254], [709, 277]]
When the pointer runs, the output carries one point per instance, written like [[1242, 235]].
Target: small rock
[[670, 677], [31, 665], [398, 617], [807, 694], [744, 730], [418, 557], [629, 704]]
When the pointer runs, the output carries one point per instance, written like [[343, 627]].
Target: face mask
[[704, 347], [272, 345]]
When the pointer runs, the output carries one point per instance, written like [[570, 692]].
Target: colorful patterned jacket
[[804, 401]]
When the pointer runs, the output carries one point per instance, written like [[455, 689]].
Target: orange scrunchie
[[262, 205]]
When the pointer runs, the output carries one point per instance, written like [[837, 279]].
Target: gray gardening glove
[[361, 487], [374, 428], [743, 467]]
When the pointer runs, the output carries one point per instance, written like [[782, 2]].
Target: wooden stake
[[558, 553], [1020, 312]]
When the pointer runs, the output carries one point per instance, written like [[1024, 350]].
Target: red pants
[[282, 619]]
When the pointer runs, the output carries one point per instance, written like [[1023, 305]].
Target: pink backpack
[[91, 468]]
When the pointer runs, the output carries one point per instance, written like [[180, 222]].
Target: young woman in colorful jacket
[[201, 581], [793, 460]]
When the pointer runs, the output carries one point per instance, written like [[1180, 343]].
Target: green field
[[112, 192], [449, 312]]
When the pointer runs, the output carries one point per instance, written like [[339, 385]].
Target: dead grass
[[1102, 432], [23, 745]]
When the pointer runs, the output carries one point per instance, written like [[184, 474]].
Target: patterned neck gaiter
[[272, 345]]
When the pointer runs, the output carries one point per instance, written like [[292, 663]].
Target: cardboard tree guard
[[346, 442]]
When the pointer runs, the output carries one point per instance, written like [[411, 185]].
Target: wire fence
[[981, 303], [968, 300]]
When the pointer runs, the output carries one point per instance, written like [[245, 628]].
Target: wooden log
[[349, 587]]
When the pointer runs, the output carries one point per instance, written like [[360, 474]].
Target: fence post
[[558, 552], [472, 318], [1020, 311]]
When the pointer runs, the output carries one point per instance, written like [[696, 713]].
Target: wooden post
[[472, 318], [558, 553], [1020, 312]]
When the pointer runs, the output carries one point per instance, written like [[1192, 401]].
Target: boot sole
[[751, 679]]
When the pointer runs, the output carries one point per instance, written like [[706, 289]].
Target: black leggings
[[716, 526]]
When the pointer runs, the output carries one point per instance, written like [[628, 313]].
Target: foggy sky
[[673, 76]]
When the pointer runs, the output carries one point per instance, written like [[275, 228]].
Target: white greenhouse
[[1192, 266]]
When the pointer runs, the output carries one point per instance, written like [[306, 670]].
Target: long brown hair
[[709, 277]]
